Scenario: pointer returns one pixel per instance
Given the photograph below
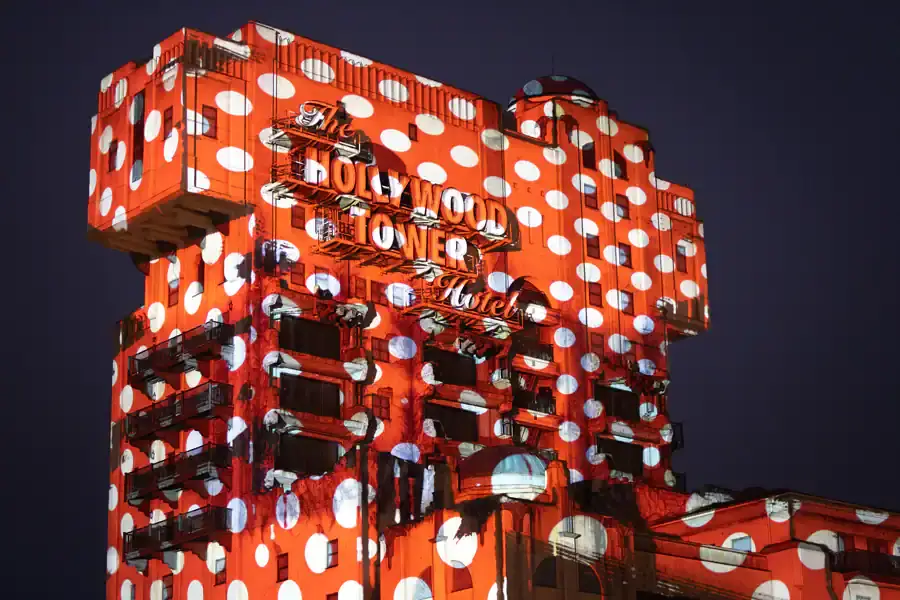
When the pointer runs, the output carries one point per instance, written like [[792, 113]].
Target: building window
[[333, 596], [381, 403], [545, 574], [137, 138], [358, 285], [626, 300], [681, 257], [173, 293], [593, 246], [332, 554], [168, 116], [282, 567], [320, 282], [596, 343], [622, 208], [112, 155], [589, 156], [221, 576], [298, 274], [590, 195], [380, 350], [413, 132], [625, 255], [298, 217], [211, 119], [743, 544], [201, 272], [621, 166], [595, 294], [379, 294], [168, 587]]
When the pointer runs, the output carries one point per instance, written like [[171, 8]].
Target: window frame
[[331, 554], [622, 203], [173, 292], [681, 258], [358, 287], [592, 245], [624, 249], [112, 155], [282, 564], [210, 114], [298, 216], [629, 307], [168, 122], [413, 132], [381, 349], [378, 292], [595, 294]]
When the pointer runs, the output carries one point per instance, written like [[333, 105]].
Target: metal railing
[[532, 348], [200, 401], [543, 403], [202, 342], [865, 561], [175, 531], [681, 549], [171, 473]]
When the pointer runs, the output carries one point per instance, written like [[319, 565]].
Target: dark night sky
[[780, 117]]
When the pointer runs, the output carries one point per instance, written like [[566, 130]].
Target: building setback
[[400, 342]]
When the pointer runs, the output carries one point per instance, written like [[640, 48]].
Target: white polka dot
[[357, 106], [287, 511], [561, 290], [105, 203], [491, 138], [588, 272], [234, 159], [617, 299], [197, 181], [527, 170], [633, 153], [651, 456], [811, 556], [212, 246], [862, 588], [554, 156], [580, 138], [643, 324], [274, 35], [499, 281], [529, 217], [569, 431], [607, 125], [584, 183], [590, 362], [429, 124], [402, 347], [622, 432], [317, 70], [661, 221], [636, 195], [432, 172], [276, 86], [871, 517], [324, 281], [564, 337], [659, 184], [610, 212], [395, 140], [456, 551], [556, 199], [428, 82], [412, 588], [106, 139], [462, 109], [779, 511], [772, 590], [566, 384], [289, 590], [663, 263], [112, 560], [608, 168], [497, 186], [345, 502], [586, 227], [113, 499], [689, 288], [559, 245], [530, 128], [125, 398], [152, 124], [233, 103], [593, 408], [238, 354], [590, 317], [638, 238], [393, 90], [400, 294], [237, 590], [238, 515], [156, 315], [464, 156]]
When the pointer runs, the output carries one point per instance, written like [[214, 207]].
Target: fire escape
[[193, 349]]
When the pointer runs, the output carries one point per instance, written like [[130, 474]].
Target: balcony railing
[[200, 402], [532, 348], [201, 463], [179, 354], [691, 551], [538, 402], [864, 561], [209, 522]]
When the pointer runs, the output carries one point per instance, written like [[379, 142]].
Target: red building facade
[[381, 308]]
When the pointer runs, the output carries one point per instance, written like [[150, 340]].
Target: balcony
[[202, 403], [529, 354], [863, 561], [684, 315], [188, 469], [167, 360], [190, 531], [307, 456], [541, 401], [311, 396]]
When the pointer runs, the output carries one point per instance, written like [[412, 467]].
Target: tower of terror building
[[400, 342]]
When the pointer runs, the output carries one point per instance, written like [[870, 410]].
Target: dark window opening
[[168, 122], [413, 132], [620, 165], [221, 576], [331, 558], [450, 367], [625, 255], [201, 271], [313, 396], [173, 293], [282, 567], [459, 425], [379, 295], [380, 350], [545, 574], [310, 337], [596, 343], [298, 217], [593, 245], [589, 156], [626, 301], [622, 456], [112, 155], [587, 580], [590, 195], [595, 294], [620, 404], [381, 403], [681, 258], [623, 210], [358, 285], [307, 456], [211, 119], [298, 274], [137, 138]]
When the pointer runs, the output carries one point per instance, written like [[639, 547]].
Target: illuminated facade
[[355, 274]]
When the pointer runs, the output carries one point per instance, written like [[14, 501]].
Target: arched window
[[545, 574], [587, 580]]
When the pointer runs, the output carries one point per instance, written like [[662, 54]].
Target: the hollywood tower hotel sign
[[433, 222]]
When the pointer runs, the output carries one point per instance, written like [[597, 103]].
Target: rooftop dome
[[554, 85]]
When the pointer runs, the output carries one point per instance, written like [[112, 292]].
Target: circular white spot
[[412, 588], [569, 431], [395, 140], [528, 216], [559, 245], [317, 70], [590, 362], [105, 202], [610, 212], [871, 517], [586, 227], [276, 85], [566, 384], [638, 238], [633, 153], [607, 125], [345, 502], [357, 106], [527, 170], [651, 456], [564, 337], [584, 183], [561, 290], [521, 476], [608, 168], [556, 199], [323, 281], [237, 590], [112, 560], [530, 128], [402, 347], [462, 109], [861, 588], [156, 315], [126, 396], [456, 552], [233, 103], [580, 138], [554, 156], [287, 511], [593, 408], [432, 172], [491, 138], [619, 343], [234, 159], [170, 146], [811, 556], [464, 156], [659, 184], [588, 272], [661, 221], [499, 281], [589, 532], [643, 324], [393, 90], [772, 590], [689, 288], [289, 590], [400, 294], [663, 263], [636, 195]]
